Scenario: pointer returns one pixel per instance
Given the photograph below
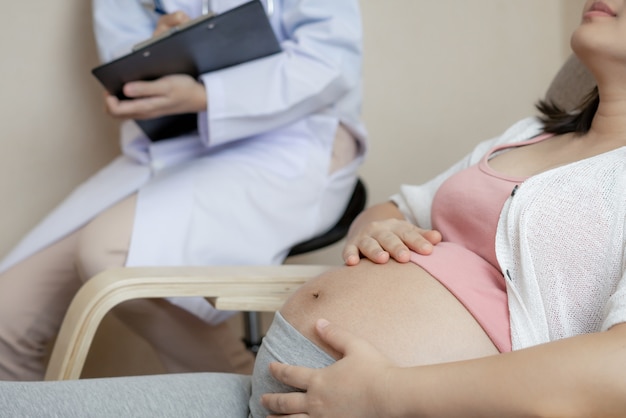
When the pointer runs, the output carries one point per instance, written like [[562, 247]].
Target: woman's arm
[[581, 376], [381, 232]]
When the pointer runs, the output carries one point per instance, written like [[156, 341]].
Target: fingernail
[[322, 323]]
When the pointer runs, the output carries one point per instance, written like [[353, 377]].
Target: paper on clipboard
[[206, 44]]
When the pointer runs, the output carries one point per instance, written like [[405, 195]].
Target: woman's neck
[[609, 122]]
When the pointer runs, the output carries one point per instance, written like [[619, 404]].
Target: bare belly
[[400, 308]]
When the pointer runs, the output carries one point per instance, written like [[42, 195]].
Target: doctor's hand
[[392, 238], [170, 20], [355, 386], [169, 95]]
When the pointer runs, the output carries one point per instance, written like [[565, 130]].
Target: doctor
[[272, 163]]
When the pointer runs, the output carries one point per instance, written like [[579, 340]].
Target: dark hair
[[557, 120]]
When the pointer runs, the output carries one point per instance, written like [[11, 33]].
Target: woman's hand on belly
[[344, 389], [381, 233]]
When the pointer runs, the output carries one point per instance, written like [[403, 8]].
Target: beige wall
[[439, 76], [54, 133]]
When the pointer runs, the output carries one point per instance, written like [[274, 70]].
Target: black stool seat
[[340, 229]]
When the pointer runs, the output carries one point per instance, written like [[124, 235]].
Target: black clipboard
[[236, 36]]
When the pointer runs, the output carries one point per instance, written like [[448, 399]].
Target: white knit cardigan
[[560, 241]]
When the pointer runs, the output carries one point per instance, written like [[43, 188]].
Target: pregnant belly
[[399, 308]]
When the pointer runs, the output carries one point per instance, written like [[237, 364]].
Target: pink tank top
[[466, 210], [467, 206]]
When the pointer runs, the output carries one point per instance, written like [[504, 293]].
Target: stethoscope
[[157, 7]]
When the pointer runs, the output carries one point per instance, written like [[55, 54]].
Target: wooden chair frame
[[241, 288]]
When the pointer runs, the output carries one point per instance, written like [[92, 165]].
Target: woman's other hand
[[354, 386], [169, 95], [381, 233]]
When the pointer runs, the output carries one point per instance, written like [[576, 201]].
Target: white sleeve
[[319, 64]]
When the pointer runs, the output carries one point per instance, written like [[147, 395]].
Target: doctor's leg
[[34, 295], [183, 342]]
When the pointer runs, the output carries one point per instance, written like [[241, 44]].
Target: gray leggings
[[212, 395]]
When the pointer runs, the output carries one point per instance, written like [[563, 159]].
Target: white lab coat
[[254, 181]]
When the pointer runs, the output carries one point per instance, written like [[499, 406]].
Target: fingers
[[416, 239], [137, 89], [177, 93], [378, 244], [295, 376], [300, 377], [433, 236], [351, 255], [370, 249], [285, 403], [394, 243], [337, 338], [135, 109], [170, 20], [293, 402], [389, 239], [290, 415]]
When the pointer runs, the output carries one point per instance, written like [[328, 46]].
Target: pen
[[155, 6], [158, 7]]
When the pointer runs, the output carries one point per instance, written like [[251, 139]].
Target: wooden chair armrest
[[259, 288]]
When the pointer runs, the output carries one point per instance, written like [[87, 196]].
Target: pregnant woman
[[496, 289]]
